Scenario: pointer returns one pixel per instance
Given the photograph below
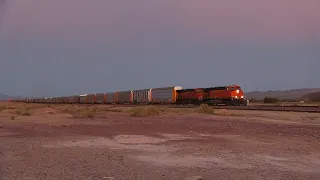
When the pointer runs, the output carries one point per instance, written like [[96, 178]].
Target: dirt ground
[[105, 142]]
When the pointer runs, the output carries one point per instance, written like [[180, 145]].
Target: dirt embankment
[[101, 142]]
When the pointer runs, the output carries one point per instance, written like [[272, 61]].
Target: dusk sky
[[66, 47]]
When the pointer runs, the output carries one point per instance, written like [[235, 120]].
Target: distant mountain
[[312, 97], [294, 94]]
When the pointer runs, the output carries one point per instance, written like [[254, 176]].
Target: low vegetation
[[147, 111], [22, 112], [87, 114], [205, 109], [81, 112], [6, 107], [270, 100], [111, 110], [313, 97], [2, 108]]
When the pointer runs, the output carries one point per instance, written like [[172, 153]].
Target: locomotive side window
[[233, 88]]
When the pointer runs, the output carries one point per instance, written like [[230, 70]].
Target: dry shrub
[[312, 117], [51, 113], [146, 111], [29, 108], [83, 112], [67, 110], [93, 109], [22, 112], [205, 108], [12, 117], [87, 114], [10, 107], [6, 107], [26, 113], [2, 108], [112, 110]]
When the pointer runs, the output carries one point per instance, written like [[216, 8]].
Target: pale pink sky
[[201, 20], [60, 44]]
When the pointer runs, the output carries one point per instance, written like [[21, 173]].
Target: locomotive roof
[[181, 90], [217, 88]]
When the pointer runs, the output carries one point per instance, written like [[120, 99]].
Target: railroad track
[[311, 109]]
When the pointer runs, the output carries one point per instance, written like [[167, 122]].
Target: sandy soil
[[52, 143]]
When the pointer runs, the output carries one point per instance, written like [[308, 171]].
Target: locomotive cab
[[235, 92]]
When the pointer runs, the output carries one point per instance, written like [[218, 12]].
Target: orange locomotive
[[190, 96], [227, 95]]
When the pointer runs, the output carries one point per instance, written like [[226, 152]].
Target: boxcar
[[83, 98], [111, 97], [73, 99], [50, 100], [141, 96], [124, 97], [91, 98], [47, 100], [70, 99], [42, 100], [165, 94], [76, 99], [59, 100], [65, 99], [101, 98], [56, 100]]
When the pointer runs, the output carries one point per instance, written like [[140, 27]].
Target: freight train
[[225, 95]]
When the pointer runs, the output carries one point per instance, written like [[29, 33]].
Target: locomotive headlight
[[241, 97], [236, 97], [238, 91]]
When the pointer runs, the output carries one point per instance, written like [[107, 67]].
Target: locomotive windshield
[[234, 88]]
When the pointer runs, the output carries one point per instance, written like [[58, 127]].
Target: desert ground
[[39, 141]]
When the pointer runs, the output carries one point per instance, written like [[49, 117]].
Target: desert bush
[[93, 109], [270, 100], [26, 113], [206, 109], [67, 109], [87, 114], [29, 108], [12, 117], [2, 108], [146, 111], [83, 113], [112, 110], [10, 107], [255, 100], [22, 112]]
